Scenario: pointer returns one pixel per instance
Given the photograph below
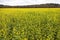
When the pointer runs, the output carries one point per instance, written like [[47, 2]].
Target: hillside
[[47, 5]]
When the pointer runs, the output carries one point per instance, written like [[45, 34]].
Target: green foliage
[[30, 25]]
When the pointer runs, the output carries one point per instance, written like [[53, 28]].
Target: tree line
[[48, 5]]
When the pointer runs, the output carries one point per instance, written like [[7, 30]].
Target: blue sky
[[27, 2]]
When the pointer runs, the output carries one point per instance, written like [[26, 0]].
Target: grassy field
[[29, 23]]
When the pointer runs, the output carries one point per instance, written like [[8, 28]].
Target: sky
[[27, 2]]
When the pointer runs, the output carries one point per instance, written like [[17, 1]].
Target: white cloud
[[27, 2]]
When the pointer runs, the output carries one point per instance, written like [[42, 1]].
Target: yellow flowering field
[[29, 23]]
